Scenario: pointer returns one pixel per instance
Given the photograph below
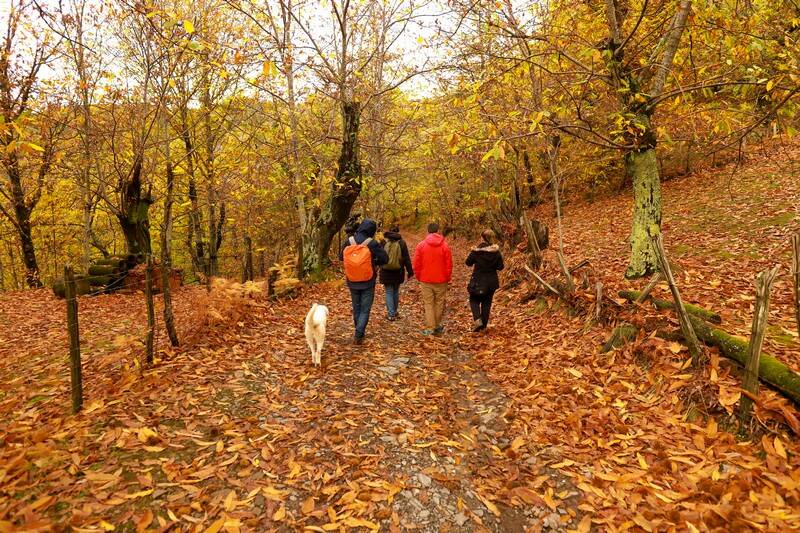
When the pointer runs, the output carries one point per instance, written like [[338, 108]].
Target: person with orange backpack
[[361, 256]]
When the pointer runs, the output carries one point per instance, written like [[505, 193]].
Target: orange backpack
[[358, 261]]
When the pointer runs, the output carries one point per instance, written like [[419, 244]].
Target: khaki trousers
[[433, 297]]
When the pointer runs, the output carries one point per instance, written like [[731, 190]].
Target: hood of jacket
[[434, 239], [366, 230], [392, 235], [484, 247]]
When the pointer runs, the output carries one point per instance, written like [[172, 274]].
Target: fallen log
[[695, 310], [100, 281], [770, 369], [81, 287], [103, 270]]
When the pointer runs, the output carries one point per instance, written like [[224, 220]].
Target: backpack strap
[[365, 242], [352, 240]]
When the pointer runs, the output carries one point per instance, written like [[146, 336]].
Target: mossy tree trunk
[[643, 166], [345, 190], [134, 214]]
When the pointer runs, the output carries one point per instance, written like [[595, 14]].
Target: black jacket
[[367, 231], [396, 277], [486, 261]]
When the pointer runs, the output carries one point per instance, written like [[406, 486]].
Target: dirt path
[[411, 412]]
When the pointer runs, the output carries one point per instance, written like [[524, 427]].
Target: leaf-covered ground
[[527, 427]]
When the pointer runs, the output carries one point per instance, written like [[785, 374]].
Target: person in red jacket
[[433, 267]]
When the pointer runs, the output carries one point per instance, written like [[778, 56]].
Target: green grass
[[778, 220]]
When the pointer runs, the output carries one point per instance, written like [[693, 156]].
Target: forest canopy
[[186, 129]]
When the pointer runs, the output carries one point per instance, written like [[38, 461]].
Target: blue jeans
[[362, 305], [392, 299]]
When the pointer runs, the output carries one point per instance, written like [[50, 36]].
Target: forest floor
[[526, 427]]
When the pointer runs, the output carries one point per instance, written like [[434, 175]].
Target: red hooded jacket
[[433, 261]]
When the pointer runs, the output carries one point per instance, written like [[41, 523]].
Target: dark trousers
[[362, 305], [481, 306], [392, 299]]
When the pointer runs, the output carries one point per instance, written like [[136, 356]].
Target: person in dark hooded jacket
[[362, 293], [393, 273], [486, 261]]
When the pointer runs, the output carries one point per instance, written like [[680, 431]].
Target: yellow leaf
[[280, 514], [108, 527], [675, 347], [574, 372], [188, 26], [44, 501], [216, 526], [360, 522], [94, 406], [331, 514], [548, 499], [779, 449], [770, 85], [145, 434], [518, 443], [139, 494], [230, 501], [308, 506], [642, 462], [220, 446], [274, 494], [643, 522], [585, 525], [489, 505]]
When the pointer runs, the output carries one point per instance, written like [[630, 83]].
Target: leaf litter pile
[[524, 428]]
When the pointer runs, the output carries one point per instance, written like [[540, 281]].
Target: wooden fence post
[[796, 269], [686, 325], [151, 314], [599, 295], [649, 287], [760, 315], [76, 378]]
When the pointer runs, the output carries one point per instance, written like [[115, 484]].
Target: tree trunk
[[646, 212], [166, 254], [345, 190], [195, 225], [134, 216], [28, 250], [533, 193]]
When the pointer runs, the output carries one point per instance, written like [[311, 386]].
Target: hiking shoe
[[391, 318], [478, 325], [358, 340], [438, 331], [427, 332]]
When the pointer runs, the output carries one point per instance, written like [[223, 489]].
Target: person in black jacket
[[362, 293], [486, 261], [393, 273]]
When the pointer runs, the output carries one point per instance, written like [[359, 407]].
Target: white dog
[[316, 319]]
